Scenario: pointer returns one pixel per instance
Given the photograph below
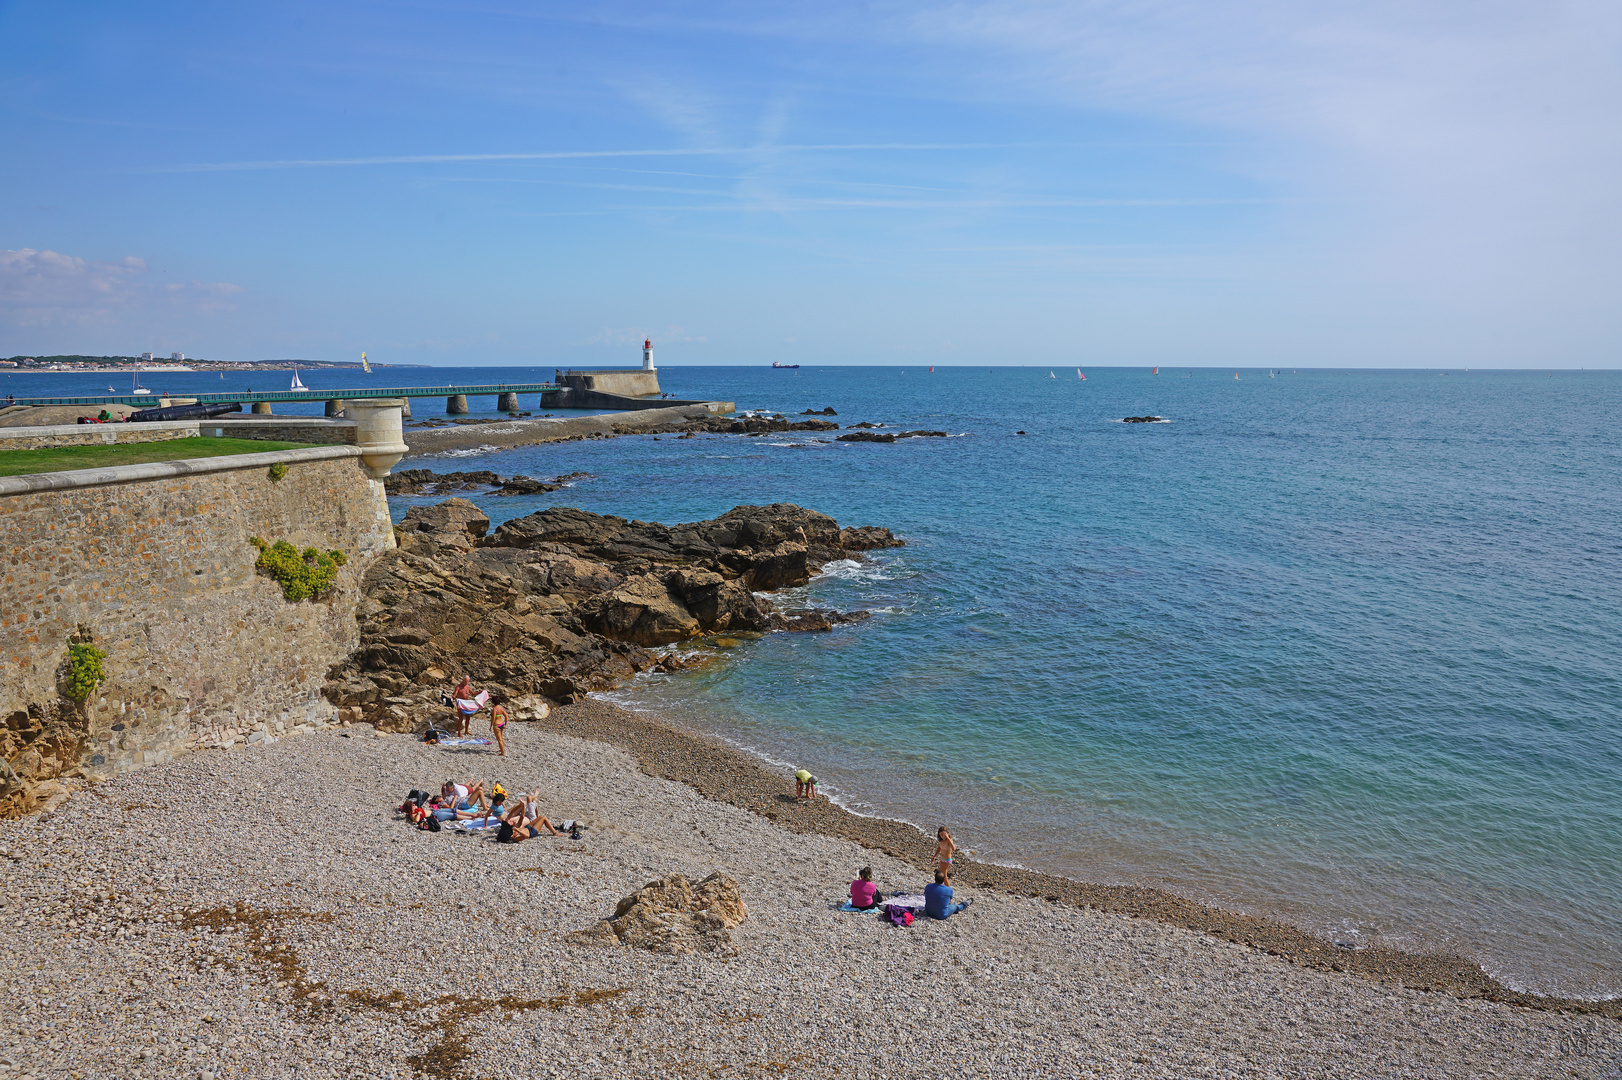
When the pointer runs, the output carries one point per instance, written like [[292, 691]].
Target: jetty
[[574, 392]]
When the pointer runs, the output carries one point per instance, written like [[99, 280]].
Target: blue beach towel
[[861, 910]]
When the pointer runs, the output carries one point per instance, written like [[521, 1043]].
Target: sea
[[1338, 647]]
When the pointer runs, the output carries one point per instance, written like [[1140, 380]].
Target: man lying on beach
[[938, 899], [458, 803]]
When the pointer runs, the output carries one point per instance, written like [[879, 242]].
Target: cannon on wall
[[184, 412]]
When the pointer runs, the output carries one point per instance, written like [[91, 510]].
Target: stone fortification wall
[[629, 382], [38, 438], [310, 429], [152, 564]]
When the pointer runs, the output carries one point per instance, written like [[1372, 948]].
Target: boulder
[[454, 523], [673, 917], [867, 436]]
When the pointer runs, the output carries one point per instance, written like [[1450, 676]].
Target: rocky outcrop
[[829, 411], [554, 605], [670, 916], [427, 482], [1141, 419], [749, 425], [887, 437]]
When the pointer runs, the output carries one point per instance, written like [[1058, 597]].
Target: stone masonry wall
[[201, 650], [93, 435]]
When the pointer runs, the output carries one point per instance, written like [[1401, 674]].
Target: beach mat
[[861, 910]]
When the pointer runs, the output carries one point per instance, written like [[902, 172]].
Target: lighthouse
[[647, 354]]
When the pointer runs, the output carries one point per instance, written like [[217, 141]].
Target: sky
[[1100, 182]]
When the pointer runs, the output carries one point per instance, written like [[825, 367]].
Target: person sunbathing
[[525, 821]]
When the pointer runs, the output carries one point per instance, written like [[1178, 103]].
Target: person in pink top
[[863, 893]]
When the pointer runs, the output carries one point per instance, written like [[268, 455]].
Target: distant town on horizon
[[194, 363]]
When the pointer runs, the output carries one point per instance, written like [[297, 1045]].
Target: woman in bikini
[[498, 721], [525, 821], [945, 848]]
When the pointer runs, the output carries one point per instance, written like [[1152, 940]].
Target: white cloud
[[47, 288]]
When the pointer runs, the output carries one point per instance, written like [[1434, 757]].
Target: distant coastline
[[67, 365]]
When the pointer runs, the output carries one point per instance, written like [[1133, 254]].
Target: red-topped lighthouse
[[647, 354]]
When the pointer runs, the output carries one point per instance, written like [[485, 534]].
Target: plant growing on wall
[[301, 574], [277, 471], [84, 669]]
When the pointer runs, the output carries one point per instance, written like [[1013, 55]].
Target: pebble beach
[[263, 911]]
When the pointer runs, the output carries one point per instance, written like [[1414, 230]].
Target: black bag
[[433, 823]]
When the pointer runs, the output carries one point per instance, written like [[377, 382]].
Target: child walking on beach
[[945, 849]]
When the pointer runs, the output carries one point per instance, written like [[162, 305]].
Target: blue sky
[[1168, 182]]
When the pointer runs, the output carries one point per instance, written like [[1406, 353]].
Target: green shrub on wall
[[85, 672], [301, 574], [277, 471]]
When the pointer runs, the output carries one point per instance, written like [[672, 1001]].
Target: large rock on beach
[[671, 916], [552, 606]]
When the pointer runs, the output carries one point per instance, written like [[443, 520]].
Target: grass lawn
[[63, 458]]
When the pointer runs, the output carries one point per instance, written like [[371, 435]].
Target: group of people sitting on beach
[[514, 820], [865, 895]]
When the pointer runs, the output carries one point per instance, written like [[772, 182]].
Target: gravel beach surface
[[264, 912]]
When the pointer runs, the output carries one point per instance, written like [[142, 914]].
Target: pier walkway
[[455, 396]]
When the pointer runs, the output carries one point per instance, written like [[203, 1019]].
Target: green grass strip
[[64, 458]]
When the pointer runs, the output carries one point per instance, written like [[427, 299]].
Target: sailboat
[[1272, 374], [1236, 376], [932, 369], [1080, 376], [135, 377], [364, 366], [1156, 371], [297, 385], [1052, 376]]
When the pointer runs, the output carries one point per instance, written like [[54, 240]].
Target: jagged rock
[[820, 412], [562, 602], [453, 523], [867, 436], [1140, 420], [529, 707], [671, 916], [922, 435], [864, 424]]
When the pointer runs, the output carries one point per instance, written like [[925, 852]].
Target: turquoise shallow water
[[1338, 647]]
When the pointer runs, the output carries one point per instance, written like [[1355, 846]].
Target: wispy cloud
[[568, 155], [47, 288]]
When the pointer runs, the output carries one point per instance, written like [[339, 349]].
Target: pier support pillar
[[456, 405], [261, 408], [334, 408], [405, 407], [507, 403]]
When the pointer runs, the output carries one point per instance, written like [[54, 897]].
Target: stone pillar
[[261, 408], [334, 408], [378, 433], [456, 405], [507, 402], [405, 407]]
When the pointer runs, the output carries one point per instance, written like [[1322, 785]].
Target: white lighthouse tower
[[647, 354]]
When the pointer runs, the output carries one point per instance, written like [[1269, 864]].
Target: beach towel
[[911, 901], [479, 824], [861, 910], [476, 704], [470, 741]]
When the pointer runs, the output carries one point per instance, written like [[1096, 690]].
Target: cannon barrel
[[185, 412]]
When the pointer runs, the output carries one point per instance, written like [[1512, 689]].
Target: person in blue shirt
[[938, 899]]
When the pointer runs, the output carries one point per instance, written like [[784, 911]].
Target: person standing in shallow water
[[945, 850]]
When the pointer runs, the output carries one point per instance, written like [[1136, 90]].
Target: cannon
[[184, 412]]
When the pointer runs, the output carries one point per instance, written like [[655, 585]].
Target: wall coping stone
[[163, 470], [49, 430]]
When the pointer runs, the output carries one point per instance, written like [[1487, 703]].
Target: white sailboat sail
[[364, 366], [297, 385]]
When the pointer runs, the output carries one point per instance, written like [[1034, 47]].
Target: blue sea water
[[1338, 647]]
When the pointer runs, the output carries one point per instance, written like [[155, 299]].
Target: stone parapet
[[40, 438]]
